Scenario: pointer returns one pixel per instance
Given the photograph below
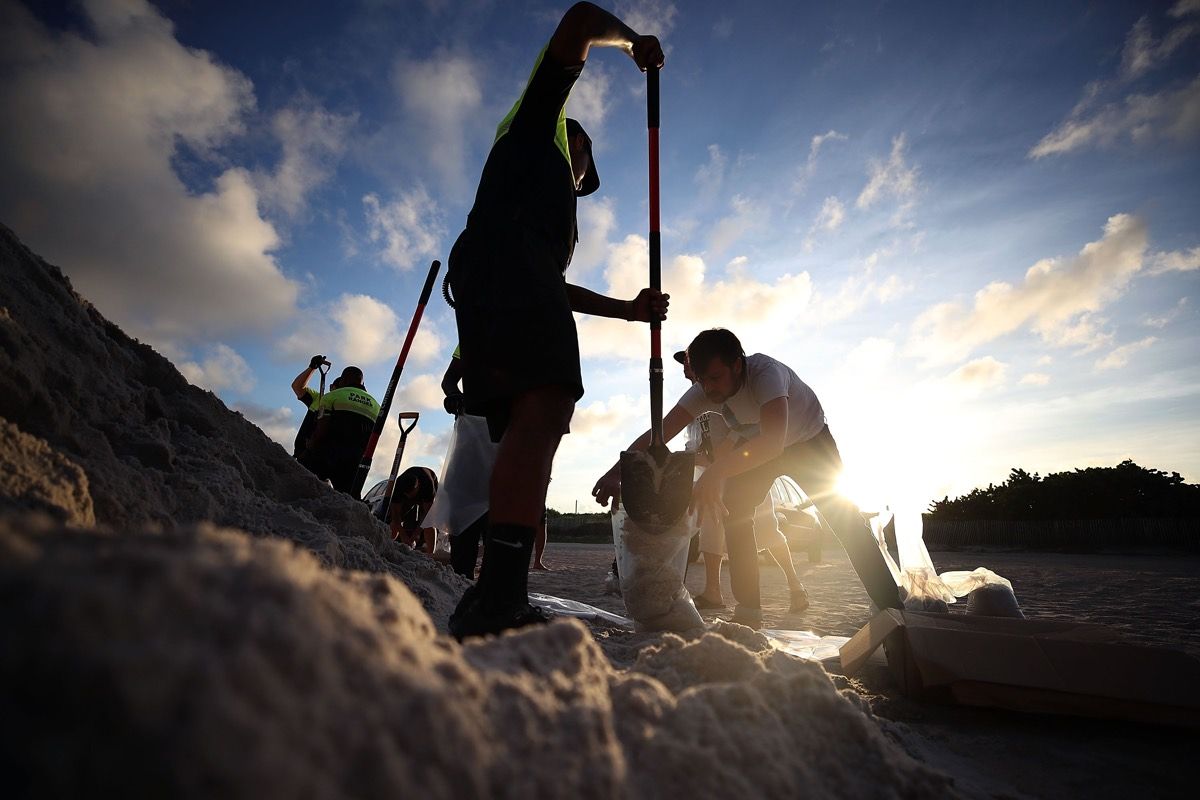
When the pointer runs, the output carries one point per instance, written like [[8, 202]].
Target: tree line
[[1124, 491]]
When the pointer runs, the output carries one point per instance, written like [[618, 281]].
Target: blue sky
[[972, 228]]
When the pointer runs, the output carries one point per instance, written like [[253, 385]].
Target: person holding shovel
[[513, 306], [345, 417], [781, 430]]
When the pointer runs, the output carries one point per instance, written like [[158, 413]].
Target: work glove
[[315, 362], [453, 404]]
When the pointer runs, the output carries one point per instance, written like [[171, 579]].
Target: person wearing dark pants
[[781, 430], [514, 308]]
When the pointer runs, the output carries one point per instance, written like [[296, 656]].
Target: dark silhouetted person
[[520, 350], [345, 418]]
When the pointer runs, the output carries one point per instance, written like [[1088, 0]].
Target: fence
[[1063, 534]]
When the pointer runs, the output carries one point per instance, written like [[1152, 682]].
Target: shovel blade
[[656, 488]]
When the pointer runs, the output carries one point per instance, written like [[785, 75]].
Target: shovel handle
[[656, 366], [405, 430]]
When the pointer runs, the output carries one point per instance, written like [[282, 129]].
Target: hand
[[647, 52], [453, 404], [608, 487], [650, 304], [316, 361], [706, 498]]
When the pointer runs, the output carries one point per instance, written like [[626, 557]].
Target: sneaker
[[750, 617], [478, 618], [799, 600], [704, 604]]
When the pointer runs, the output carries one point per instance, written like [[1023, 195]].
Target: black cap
[[591, 180], [681, 356]]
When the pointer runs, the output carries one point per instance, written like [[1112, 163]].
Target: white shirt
[[765, 380]]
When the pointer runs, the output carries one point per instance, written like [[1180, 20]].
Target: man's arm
[[609, 484], [451, 377], [648, 305], [586, 25], [767, 445], [301, 381]]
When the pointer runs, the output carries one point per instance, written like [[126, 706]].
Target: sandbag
[[651, 562], [462, 496]]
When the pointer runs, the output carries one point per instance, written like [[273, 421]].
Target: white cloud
[[1182, 8], [222, 368], [597, 220], [1044, 361], [1166, 319], [648, 17], [361, 330], [409, 228], [814, 148], [589, 101], [1054, 300], [278, 423], [420, 393], [1121, 356], [1175, 261], [313, 140], [1142, 119], [723, 28], [92, 125], [603, 416], [1142, 52], [439, 96], [747, 216], [982, 373], [711, 174], [894, 178], [1035, 379], [829, 219]]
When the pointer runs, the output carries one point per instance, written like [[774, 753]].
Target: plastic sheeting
[[462, 494], [563, 607], [652, 563]]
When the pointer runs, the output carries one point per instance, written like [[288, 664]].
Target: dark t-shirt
[[527, 182], [309, 401]]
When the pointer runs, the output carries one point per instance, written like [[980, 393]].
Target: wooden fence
[[1063, 534]]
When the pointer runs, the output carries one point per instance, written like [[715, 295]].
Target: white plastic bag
[[963, 583], [462, 494], [651, 564], [921, 587], [987, 593]]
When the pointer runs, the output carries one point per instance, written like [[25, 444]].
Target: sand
[[186, 612]]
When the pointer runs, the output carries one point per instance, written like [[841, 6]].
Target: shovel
[[656, 484], [405, 430]]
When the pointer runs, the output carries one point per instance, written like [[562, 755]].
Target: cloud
[[1121, 356], [409, 228], [1142, 119], [747, 216], [589, 101], [1035, 379], [982, 373], [420, 393], [754, 309], [814, 148], [1175, 261], [1044, 361], [222, 368], [1166, 319], [1184, 7], [313, 140], [894, 178], [1142, 52], [648, 17], [723, 28], [1055, 299], [711, 174], [439, 96], [829, 219], [278, 423], [603, 416], [361, 330], [597, 220], [93, 125]]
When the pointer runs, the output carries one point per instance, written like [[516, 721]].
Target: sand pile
[[98, 428], [146, 655], [203, 662]]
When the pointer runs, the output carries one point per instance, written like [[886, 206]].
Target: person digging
[[708, 437], [782, 431], [513, 306], [345, 418]]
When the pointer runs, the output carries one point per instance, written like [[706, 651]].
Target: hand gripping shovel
[[656, 484], [364, 466], [405, 430]]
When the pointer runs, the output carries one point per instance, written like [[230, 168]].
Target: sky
[[970, 227]]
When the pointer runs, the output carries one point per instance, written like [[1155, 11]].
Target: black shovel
[[656, 484]]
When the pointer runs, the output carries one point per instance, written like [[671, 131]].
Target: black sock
[[504, 575]]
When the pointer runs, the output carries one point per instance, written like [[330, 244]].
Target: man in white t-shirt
[[780, 429]]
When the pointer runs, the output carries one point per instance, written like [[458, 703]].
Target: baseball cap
[[681, 356]]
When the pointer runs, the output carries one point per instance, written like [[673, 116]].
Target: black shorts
[[516, 331]]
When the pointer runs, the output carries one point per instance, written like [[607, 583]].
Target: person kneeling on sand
[[708, 437], [412, 496], [782, 431], [345, 418]]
